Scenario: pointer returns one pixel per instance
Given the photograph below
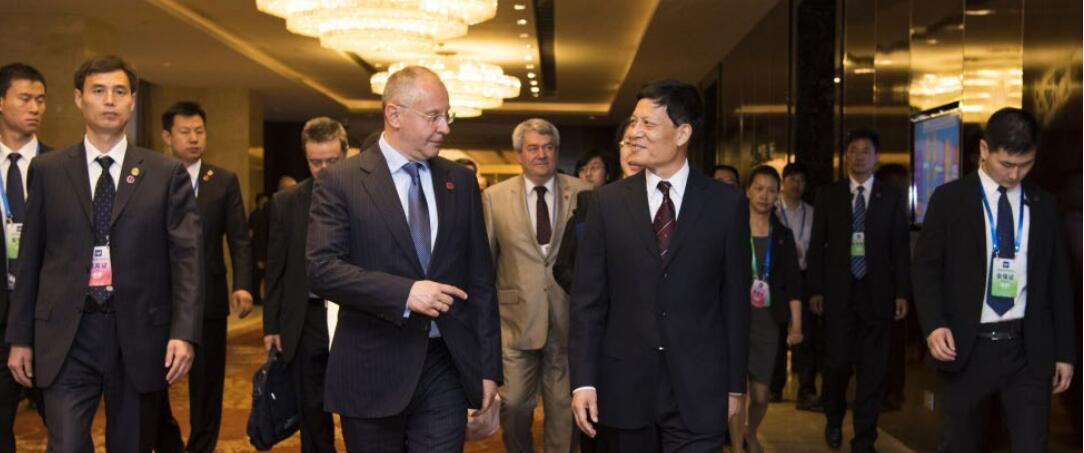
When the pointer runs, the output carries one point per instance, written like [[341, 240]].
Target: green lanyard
[[767, 256]]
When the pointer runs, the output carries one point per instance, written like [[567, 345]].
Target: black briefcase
[[274, 415]]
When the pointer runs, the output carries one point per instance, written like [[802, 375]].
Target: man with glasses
[[295, 320], [397, 238]]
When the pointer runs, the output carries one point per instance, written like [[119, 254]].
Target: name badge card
[[760, 294], [12, 232], [101, 267], [858, 244], [1003, 282]]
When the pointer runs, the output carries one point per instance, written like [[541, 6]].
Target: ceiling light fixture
[[530, 75], [472, 86], [380, 29], [524, 35], [519, 7], [521, 22]]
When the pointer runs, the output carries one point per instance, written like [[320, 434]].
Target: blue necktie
[[16, 201], [104, 192], [858, 225], [418, 219], [1006, 249]]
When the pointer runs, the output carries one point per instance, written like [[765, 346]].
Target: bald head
[[405, 85]]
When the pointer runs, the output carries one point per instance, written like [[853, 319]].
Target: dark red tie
[[543, 229], [664, 219]]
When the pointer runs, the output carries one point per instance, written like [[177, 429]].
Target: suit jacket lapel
[[76, 167], [974, 219], [519, 200], [126, 186], [443, 189], [640, 212], [692, 204], [377, 181]]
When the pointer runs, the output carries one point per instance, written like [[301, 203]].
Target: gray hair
[[402, 85], [323, 129], [538, 126]]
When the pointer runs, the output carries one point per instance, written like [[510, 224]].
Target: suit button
[[663, 314], [666, 275]]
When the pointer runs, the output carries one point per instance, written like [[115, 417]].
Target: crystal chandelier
[[472, 86], [381, 29]]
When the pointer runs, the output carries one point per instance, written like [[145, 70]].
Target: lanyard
[[786, 222], [993, 225], [4, 191], [767, 256]]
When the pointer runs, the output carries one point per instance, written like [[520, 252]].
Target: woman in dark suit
[[775, 294]]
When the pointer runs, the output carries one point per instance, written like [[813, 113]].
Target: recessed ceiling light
[[528, 45], [530, 66], [521, 22], [519, 7], [534, 89], [534, 82], [528, 57], [534, 95], [524, 35], [530, 75]]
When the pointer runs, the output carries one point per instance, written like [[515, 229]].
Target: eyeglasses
[[432, 118]]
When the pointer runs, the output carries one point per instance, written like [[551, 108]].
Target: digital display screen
[[935, 155]]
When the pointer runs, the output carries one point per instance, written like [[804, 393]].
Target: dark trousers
[[897, 357], [308, 368], [779, 370], [667, 433], [995, 370], [435, 420], [205, 387], [809, 354], [857, 343], [11, 393], [94, 368]]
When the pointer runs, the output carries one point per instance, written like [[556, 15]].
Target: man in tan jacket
[[524, 218]]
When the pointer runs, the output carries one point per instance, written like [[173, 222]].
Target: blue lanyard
[[993, 224], [786, 222], [4, 191], [767, 256]]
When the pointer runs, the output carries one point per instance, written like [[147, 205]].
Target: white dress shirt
[[396, 162], [29, 151], [193, 173], [677, 190], [1020, 262], [94, 169], [532, 208], [868, 187], [799, 220]]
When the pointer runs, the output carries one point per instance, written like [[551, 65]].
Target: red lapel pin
[[449, 185], [131, 179]]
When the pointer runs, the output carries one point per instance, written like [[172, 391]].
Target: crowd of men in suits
[[626, 306]]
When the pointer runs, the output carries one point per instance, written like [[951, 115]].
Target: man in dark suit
[[992, 288], [858, 267], [108, 296], [22, 106], [294, 319], [222, 214], [397, 239], [658, 354]]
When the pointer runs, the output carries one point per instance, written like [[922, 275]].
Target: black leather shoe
[[833, 436]]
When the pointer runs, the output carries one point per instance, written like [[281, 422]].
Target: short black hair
[[796, 168], [18, 71], [682, 101], [764, 170], [104, 64], [1013, 130], [730, 168], [182, 108], [261, 196], [863, 133]]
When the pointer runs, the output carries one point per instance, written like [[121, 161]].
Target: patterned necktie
[[14, 189], [104, 192], [418, 215], [858, 225], [543, 229], [1006, 249], [664, 223]]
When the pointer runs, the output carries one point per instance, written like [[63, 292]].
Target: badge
[[760, 294], [1003, 282], [101, 267], [130, 180], [858, 244], [12, 233], [135, 171], [449, 185]]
